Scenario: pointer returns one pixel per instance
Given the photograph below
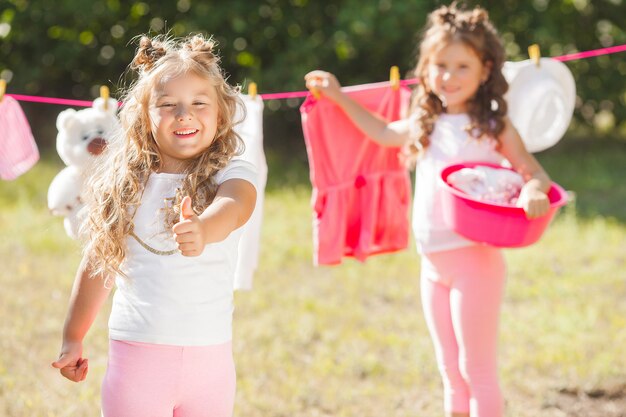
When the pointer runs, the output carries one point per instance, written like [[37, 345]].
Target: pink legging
[[462, 291], [168, 381]]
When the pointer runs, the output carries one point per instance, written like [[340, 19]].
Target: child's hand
[[534, 202], [70, 363], [188, 231], [324, 82]]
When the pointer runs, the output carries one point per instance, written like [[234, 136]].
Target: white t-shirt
[[449, 144], [175, 300]]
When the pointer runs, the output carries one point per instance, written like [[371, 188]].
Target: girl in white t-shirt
[[453, 119], [165, 207]]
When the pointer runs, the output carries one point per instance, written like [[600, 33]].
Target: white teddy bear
[[82, 136]]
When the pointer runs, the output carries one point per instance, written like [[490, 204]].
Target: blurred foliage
[[69, 48]]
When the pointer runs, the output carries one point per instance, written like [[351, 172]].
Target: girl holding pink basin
[[458, 115]]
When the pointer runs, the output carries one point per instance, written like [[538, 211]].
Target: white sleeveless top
[[449, 144], [175, 299]]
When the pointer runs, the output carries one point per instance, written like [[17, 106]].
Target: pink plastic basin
[[497, 225]]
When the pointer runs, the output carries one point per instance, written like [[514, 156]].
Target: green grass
[[347, 340]]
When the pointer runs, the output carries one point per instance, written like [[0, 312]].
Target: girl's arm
[[232, 207], [88, 295], [533, 198], [384, 133]]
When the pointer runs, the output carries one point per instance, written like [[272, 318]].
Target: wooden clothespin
[[104, 94], [3, 88], [315, 92], [252, 90], [394, 77], [534, 53]]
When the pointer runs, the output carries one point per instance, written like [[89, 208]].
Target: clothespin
[[315, 93], [104, 94], [3, 88], [252, 90], [394, 77], [534, 53]]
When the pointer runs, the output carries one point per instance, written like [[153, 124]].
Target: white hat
[[541, 100]]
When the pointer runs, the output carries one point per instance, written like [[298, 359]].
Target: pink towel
[[361, 191], [18, 150]]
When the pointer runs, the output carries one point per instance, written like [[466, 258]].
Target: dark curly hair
[[487, 108]]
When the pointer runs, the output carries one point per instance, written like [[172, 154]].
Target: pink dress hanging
[[18, 150], [361, 191]]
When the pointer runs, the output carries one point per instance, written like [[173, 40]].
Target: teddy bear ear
[[65, 119], [111, 105]]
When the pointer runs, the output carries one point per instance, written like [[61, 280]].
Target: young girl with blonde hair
[[164, 209], [458, 115]]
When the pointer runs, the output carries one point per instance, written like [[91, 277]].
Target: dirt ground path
[[597, 402]]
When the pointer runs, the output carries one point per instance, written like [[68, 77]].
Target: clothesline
[[300, 94]]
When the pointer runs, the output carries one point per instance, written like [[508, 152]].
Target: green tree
[[69, 48]]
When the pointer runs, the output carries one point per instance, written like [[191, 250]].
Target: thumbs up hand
[[188, 231]]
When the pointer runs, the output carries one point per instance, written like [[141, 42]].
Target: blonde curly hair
[[116, 185], [446, 25]]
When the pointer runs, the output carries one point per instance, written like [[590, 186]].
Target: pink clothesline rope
[[589, 54], [300, 94], [52, 100]]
